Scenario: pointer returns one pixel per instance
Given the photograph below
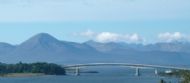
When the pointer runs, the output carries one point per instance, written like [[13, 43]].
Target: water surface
[[105, 75]]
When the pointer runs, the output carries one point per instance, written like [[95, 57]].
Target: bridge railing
[[136, 66]]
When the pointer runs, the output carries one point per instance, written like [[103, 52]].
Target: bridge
[[136, 66]]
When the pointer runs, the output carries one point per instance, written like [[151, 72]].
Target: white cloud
[[169, 37], [88, 33], [111, 37], [114, 37], [133, 38], [107, 37]]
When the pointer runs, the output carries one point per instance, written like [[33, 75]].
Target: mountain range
[[45, 48]]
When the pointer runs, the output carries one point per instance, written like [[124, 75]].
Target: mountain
[[159, 53], [170, 47], [105, 47], [112, 48], [5, 48], [45, 48]]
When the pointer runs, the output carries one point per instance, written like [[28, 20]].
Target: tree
[[162, 81], [45, 68]]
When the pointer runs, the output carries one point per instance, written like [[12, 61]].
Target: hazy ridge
[[45, 48]]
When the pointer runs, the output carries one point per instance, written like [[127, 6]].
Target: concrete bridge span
[[136, 66]]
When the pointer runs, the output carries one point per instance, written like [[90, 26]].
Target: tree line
[[184, 74], [40, 67]]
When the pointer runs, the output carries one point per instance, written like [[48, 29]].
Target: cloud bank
[[170, 37], [105, 37], [114, 37]]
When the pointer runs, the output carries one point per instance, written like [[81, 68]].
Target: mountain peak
[[42, 38], [90, 41], [44, 35]]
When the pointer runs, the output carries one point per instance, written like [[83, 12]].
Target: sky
[[131, 21]]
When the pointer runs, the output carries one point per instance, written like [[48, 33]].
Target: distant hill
[[43, 47], [6, 48]]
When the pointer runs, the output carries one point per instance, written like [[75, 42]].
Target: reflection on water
[[105, 75]]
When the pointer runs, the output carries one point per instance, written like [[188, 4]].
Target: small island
[[30, 69]]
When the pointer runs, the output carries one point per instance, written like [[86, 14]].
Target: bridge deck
[[127, 65]]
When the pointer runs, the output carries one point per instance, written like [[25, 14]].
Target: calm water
[[105, 75]]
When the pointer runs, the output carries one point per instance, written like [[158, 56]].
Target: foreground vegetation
[[21, 75], [183, 74], [30, 69]]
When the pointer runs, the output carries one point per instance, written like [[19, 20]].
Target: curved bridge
[[137, 66]]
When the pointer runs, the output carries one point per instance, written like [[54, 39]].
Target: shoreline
[[22, 75]]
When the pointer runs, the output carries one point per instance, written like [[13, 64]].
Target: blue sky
[[100, 20]]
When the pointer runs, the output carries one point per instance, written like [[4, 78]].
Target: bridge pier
[[77, 67], [77, 71], [156, 72], [137, 73]]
